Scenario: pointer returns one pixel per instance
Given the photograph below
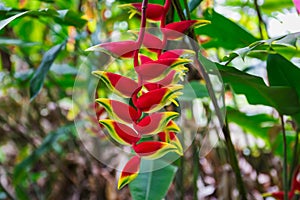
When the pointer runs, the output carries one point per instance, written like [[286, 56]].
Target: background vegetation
[[42, 45]]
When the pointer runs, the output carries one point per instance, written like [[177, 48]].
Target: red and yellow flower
[[156, 87]]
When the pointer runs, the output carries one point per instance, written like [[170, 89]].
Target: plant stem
[[295, 157], [195, 167], [141, 33], [261, 24], [234, 161], [285, 174]]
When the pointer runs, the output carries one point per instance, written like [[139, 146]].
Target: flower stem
[[285, 174], [141, 33]]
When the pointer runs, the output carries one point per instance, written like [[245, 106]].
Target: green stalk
[[295, 157], [234, 161], [195, 167], [285, 174]]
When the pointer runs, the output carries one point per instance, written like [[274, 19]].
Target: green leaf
[[192, 90], [21, 170], [277, 144], [37, 81], [282, 98], [223, 32], [282, 72], [4, 22], [70, 18], [152, 185], [258, 125]]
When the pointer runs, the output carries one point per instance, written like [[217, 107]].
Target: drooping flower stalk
[[156, 87]]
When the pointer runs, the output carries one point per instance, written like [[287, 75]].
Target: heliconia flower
[[176, 30], [154, 11], [120, 85], [121, 133], [154, 123], [177, 53], [154, 100], [170, 137], [129, 172], [154, 71], [153, 149], [119, 111], [123, 49]]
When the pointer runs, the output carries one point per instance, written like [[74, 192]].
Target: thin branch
[[285, 173], [295, 156], [8, 194], [261, 24]]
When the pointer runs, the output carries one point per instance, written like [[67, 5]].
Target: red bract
[[120, 132], [176, 53], [144, 59], [119, 111], [177, 29], [170, 137], [130, 171], [152, 42], [121, 85], [154, 123], [153, 149], [156, 70], [124, 49], [154, 100]]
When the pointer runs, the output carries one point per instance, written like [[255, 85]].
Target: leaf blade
[[151, 184], [39, 76]]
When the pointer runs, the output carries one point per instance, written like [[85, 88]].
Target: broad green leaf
[[282, 72], [282, 98], [223, 32], [21, 170], [4, 22], [258, 125], [152, 185], [192, 90], [37, 80]]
